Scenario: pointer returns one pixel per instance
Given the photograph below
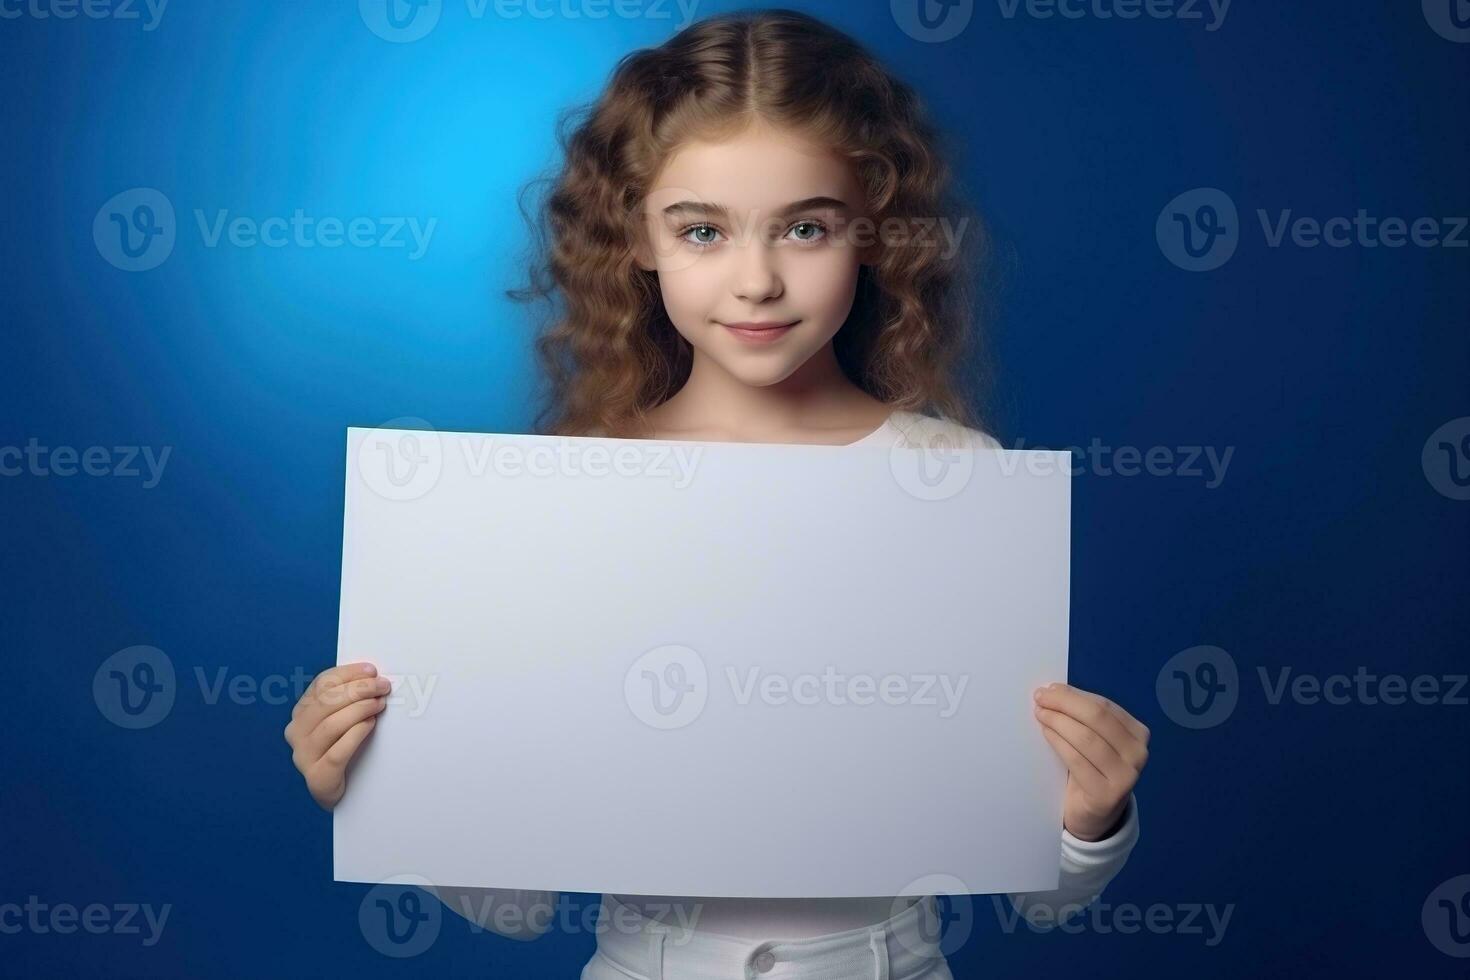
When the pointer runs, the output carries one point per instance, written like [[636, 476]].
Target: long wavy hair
[[608, 351]]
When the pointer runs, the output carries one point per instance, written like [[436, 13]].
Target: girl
[[743, 235]]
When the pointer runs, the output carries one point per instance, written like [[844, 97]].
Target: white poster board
[[712, 669]]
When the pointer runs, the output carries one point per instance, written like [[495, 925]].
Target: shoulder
[[926, 431]]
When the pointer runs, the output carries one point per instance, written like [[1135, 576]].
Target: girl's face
[[755, 230]]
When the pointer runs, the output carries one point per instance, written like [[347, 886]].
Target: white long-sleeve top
[[1086, 869], [1086, 866]]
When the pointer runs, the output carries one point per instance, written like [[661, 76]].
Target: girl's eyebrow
[[700, 208]]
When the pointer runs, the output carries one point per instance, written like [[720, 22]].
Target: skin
[[335, 715], [759, 265], [756, 263], [1104, 749]]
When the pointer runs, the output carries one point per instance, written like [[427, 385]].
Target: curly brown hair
[[610, 353]]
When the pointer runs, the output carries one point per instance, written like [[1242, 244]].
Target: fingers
[[1087, 776], [1123, 733], [346, 747], [328, 679], [315, 706], [1135, 727], [352, 691], [339, 723], [1089, 744], [327, 778], [336, 712]]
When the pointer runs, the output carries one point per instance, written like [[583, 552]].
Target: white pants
[[905, 947]]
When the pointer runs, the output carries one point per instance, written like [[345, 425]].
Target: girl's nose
[[756, 275]]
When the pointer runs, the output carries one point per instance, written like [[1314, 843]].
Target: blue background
[[1324, 549]]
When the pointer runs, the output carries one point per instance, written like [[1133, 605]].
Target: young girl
[[744, 238]]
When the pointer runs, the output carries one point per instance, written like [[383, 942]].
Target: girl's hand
[[1104, 749], [328, 725]]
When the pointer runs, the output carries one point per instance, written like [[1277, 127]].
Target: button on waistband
[[763, 961]]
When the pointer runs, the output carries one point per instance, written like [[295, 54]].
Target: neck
[[817, 394]]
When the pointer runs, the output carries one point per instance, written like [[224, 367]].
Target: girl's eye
[[817, 232], [807, 232], [696, 229]]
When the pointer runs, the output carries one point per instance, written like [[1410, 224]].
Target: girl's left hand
[[1104, 749]]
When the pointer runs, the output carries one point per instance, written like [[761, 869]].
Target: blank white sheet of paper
[[695, 668]]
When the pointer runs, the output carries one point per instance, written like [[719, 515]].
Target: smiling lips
[[760, 331]]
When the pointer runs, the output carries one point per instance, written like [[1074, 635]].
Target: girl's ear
[[641, 232], [642, 254]]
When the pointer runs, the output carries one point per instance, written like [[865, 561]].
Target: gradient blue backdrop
[[1325, 548]]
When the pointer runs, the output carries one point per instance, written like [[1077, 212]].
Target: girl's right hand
[[336, 713]]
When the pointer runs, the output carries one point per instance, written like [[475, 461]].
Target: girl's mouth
[[760, 333]]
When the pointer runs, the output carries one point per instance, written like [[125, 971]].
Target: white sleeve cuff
[[1110, 851]]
